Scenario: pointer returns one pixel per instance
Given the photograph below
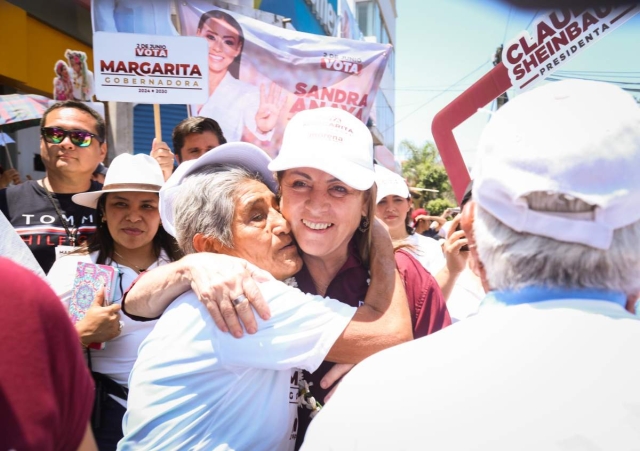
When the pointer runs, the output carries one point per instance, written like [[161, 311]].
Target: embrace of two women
[[336, 297]]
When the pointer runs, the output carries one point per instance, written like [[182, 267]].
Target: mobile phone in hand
[[464, 248]]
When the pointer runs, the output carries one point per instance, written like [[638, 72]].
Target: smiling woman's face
[[324, 212], [224, 43], [133, 219], [261, 235]]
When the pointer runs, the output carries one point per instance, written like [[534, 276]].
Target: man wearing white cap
[[549, 360]]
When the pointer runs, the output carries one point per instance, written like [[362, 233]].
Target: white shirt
[[428, 252], [195, 387], [117, 358], [233, 105], [466, 296], [12, 247], [554, 375]]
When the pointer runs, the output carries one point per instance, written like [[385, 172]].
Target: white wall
[[28, 145]]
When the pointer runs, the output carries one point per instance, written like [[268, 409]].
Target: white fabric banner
[[260, 75]]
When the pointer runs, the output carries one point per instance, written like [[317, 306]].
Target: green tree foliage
[[424, 169], [437, 206]]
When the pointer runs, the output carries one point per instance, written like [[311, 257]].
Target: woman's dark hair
[[408, 221], [102, 241], [234, 67]]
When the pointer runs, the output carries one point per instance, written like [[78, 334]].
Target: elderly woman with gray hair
[[193, 385]]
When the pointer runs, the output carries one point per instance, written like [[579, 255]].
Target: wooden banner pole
[[156, 121]]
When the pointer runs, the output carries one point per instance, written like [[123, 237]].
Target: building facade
[[33, 36]]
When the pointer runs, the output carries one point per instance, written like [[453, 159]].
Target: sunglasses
[[80, 138]]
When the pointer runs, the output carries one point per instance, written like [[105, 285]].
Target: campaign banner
[[558, 36], [149, 68], [261, 75]]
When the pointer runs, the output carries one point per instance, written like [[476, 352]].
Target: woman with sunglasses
[[130, 238]]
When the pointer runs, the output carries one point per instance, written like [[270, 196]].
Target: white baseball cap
[[331, 140], [126, 172], [389, 183], [240, 154], [575, 137]]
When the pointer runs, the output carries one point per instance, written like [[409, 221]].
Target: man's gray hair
[[514, 260], [206, 204]]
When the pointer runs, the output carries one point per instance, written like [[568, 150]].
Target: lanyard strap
[[70, 234]]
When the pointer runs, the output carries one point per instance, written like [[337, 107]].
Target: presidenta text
[[558, 36]]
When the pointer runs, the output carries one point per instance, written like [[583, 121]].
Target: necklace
[[124, 260]]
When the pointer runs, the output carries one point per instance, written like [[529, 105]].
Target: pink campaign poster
[[261, 75]]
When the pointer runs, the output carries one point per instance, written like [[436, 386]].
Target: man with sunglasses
[[72, 143]]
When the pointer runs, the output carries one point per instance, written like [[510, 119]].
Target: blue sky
[[438, 42]]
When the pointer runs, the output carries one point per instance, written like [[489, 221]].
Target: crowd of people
[[302, 302]]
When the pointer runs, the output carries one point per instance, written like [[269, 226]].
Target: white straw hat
[[575, 137], [240, 154], [389, 183], [126, 173], [331, 140]]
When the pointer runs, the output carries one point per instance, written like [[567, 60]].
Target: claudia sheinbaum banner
[[260, 75], [150, 69], [557, 37]]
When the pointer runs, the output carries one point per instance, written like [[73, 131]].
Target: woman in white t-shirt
[[130, 238]]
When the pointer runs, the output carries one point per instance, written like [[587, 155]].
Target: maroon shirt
[[428, 307], [426, 304], [46, 391]]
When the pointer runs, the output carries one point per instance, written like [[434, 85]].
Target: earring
[[364, 224]]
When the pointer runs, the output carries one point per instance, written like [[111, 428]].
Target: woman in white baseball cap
[[326, 173], [130, 238], [393, 207]]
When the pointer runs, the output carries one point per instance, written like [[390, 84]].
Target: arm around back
[[213, 277], [384, 320]]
